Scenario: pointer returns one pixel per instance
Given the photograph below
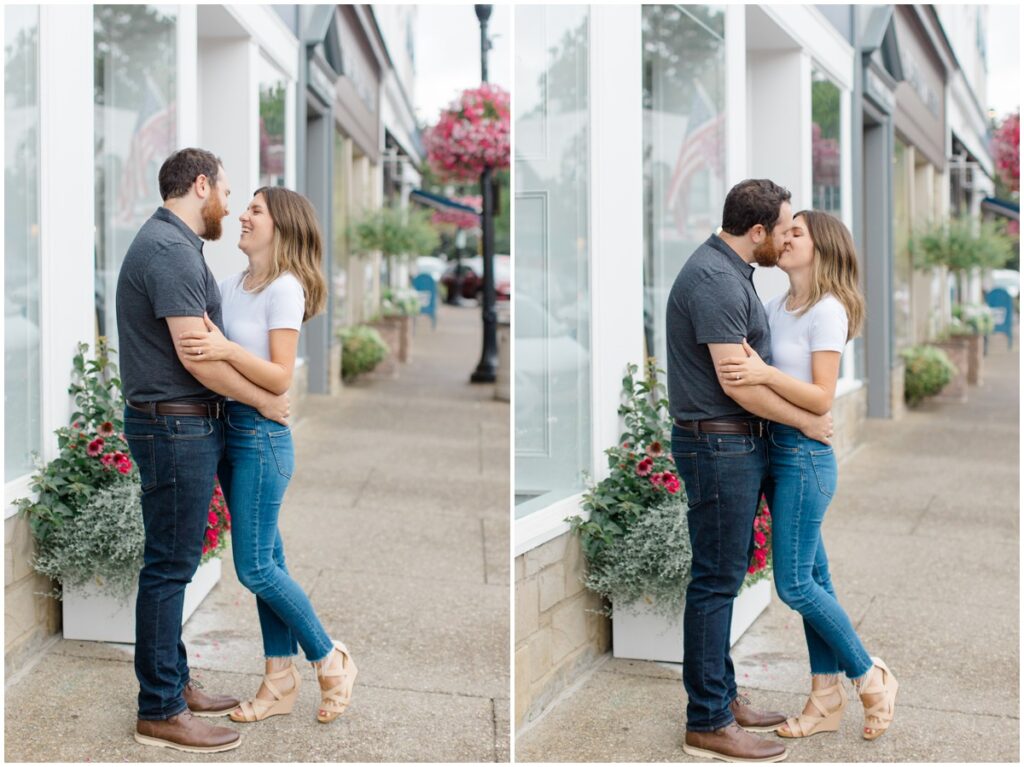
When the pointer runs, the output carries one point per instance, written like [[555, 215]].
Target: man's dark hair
[[181, 169], [752, 202]]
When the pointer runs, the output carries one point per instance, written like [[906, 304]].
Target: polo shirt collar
[[743, 269], [164, 214]]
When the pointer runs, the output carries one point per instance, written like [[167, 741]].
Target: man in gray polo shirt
[[175, 433], [720, 451]]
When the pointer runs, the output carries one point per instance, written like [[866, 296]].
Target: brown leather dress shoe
[[751, 719], [733, 744], [186, 733], [203, 704]]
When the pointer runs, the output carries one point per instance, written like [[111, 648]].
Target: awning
[[439, 202], [1004, 208]]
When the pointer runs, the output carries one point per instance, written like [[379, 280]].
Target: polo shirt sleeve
[[829, 326], [175, 281], [719, 310], [286, 304]]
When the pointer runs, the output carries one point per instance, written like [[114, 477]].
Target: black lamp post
[[487, 369]]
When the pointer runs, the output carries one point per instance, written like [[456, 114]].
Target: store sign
[[916, 77]]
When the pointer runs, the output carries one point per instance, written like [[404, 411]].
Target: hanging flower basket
[[471, 135]]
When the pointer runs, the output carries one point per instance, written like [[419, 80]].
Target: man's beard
[[212, 213], [766, 254]]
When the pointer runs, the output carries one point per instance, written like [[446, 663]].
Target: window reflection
[[273, 92], [825, 148]]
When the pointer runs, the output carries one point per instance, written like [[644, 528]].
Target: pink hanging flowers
[[474, 133]]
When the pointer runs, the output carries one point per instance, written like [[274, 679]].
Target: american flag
[[152, 141], [701, 148]]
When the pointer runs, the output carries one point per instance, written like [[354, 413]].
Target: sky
[[1003, 59], [448, 54]]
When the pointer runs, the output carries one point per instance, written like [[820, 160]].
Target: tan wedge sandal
[[878, 717], [335, 700], [824, 721], [257, 709]]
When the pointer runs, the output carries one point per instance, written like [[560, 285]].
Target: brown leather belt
[[212, 409], [753, 427]]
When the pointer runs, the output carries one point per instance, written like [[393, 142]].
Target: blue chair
[[426, 286], [1002, 307]]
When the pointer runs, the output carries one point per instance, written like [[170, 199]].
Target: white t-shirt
[[822, 328], [249, 317]]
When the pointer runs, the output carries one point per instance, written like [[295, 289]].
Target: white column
[[737, 135], [616, 214], [187, 102], [66, 229]]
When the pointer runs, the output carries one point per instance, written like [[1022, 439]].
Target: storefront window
[[552, 296], [826, 151], [273, 92], [22, 406], [684, 147], [136, 130], [902, 272]]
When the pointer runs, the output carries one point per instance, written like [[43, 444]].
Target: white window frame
[[66, 232], [615, 237]]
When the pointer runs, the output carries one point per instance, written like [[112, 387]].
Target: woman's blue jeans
[[254, 474], [804, 476]]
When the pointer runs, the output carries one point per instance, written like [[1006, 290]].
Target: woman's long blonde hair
[[835, 267], [297, 247]]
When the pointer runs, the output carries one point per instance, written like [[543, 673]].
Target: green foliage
[[103, 544], [66, 484], [399, 302], [928, 370], [650, 564], [362, 349], [394, 232], [618, 502], [961, 244], [976, 318]]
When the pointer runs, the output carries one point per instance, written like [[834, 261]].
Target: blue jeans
[[255, 474], [725, 475], [804, 476], [177, 457]]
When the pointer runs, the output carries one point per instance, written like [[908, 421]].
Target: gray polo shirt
[[163, 275], [712, 301]]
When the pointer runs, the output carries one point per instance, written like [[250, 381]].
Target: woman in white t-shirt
[[264, 308], [810, 326]]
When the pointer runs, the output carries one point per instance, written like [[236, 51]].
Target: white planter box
[[642, 635], [97, 617]]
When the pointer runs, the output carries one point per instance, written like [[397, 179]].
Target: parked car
[[1008, 279], [471, 271]]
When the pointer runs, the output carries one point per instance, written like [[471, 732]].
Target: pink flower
[[107, 460], [124, 467], [761, 557], [106, 429], [654, 449], [212, 519], [95, 447], [644, 467], [657, 480], [759, 539]]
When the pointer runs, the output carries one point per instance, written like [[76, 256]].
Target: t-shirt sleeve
[[829, 326], [286, 304], [719, 310], [175, 281]]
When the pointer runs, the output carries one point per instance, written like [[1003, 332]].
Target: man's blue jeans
[[804, 479], [724, 475], [177, 457], [258, 465]]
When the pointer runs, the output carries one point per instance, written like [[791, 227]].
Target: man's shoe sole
[[694, 751], [159, 743], [751, 728]]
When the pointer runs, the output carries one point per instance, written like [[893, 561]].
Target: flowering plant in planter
[[636, 540], [86, 516], [472, 134]]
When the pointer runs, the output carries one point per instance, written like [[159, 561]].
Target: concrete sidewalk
[[397, 524], [923, 538]]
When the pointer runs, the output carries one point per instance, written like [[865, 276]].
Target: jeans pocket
[[284, 451], [144, 454], [823, 462], [190, 427], [240, 423], [686, 467], [787, 442]]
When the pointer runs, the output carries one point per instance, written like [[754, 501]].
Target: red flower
[[645, 467], [672, 484], [211, 537], [657, 480], [124, 467], [95, 447], [106, 429], [761, 557], [751, 569], [212, 519], [107, 460], [759, 539]]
